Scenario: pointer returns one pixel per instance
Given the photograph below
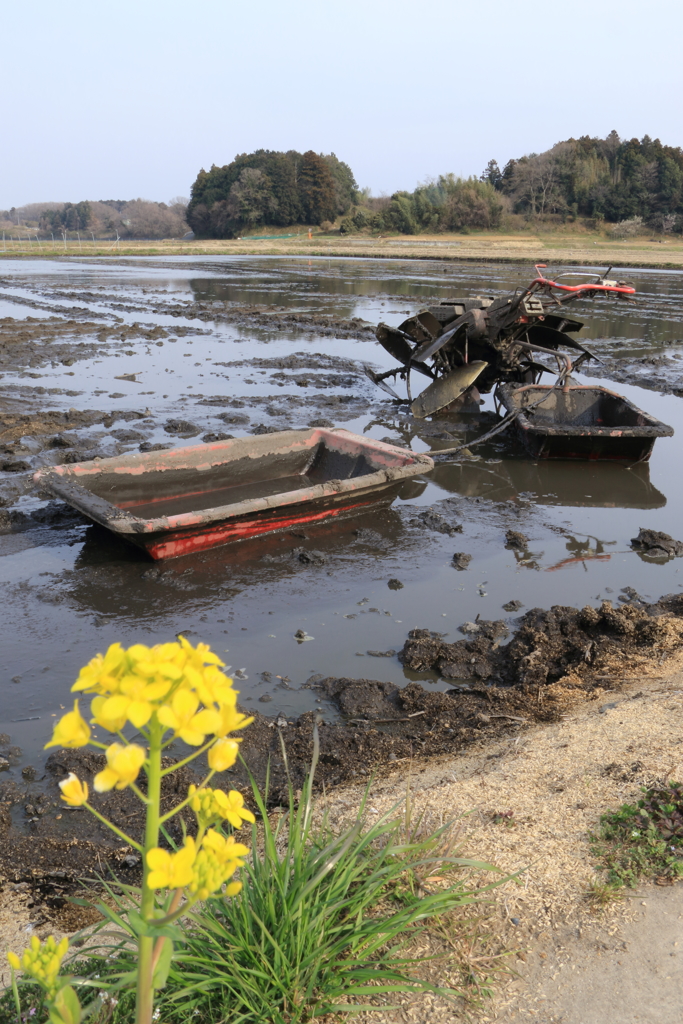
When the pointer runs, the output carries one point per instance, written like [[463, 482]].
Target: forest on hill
[[605, 179], [630, 184], [267, 187]]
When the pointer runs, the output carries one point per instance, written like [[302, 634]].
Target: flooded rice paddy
[[106, 356]]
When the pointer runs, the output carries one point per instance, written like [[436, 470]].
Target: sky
[[128, 99]]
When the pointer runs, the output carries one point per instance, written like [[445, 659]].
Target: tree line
[[612, 179], [125, 218], [629, 183]]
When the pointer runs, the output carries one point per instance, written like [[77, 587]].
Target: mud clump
[[461, 560], [514, 540], [435, 521], [371, 539], [548, 645], [211, 438], [16, 425], [263, 428], [275, 318], [183, 428], [654, 544], [465, 659], [555, 660]]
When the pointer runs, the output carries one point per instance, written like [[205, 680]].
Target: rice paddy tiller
[[486, 341]]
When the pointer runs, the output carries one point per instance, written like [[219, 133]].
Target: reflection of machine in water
[[582, 550], [501, 472]]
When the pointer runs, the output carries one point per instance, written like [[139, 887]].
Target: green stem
[[173, 912], [171, 918], [139, 794], [145, 991]]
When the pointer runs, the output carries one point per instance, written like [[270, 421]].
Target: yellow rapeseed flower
[[182, 715], [235, 811], [231, 720], [71, 730], [222, 755], [101, 674], [136, 702], [123, 767], [212, 805], [216, 862], [111, 723], [171, 870], [214, 687], [184, 682], [74, 792]]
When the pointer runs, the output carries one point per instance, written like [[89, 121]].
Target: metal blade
[[428, 348], [446, 389], [540, 334], [380, 383]]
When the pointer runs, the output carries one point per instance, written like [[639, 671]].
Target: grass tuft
[[323, 922]]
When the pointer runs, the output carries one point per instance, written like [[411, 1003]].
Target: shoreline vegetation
[[486, 247]]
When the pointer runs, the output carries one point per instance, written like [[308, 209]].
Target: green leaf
[[65, 1009], [115, 918]]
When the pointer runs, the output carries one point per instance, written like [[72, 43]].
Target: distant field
[[554, 249]]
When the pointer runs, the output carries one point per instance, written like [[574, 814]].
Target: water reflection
[[582, 550], [111, 576], [592, 485]]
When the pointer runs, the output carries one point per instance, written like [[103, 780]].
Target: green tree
[[251, 200], [345, 187], [316, 188], [493, 175], [294, 189]]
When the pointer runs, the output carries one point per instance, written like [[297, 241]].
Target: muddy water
[[167, 352]]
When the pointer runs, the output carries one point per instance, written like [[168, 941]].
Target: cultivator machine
[[479, 341]]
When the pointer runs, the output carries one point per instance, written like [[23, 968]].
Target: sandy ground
[[574, 965], [553, 248]]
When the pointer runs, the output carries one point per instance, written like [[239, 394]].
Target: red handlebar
[[616, 289]]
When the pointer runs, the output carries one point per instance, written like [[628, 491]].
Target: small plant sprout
[[167, 692]]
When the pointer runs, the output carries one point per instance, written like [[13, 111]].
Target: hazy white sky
[[115, 100]]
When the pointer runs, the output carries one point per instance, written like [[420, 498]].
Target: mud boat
[[581, 422], [186, 499]]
